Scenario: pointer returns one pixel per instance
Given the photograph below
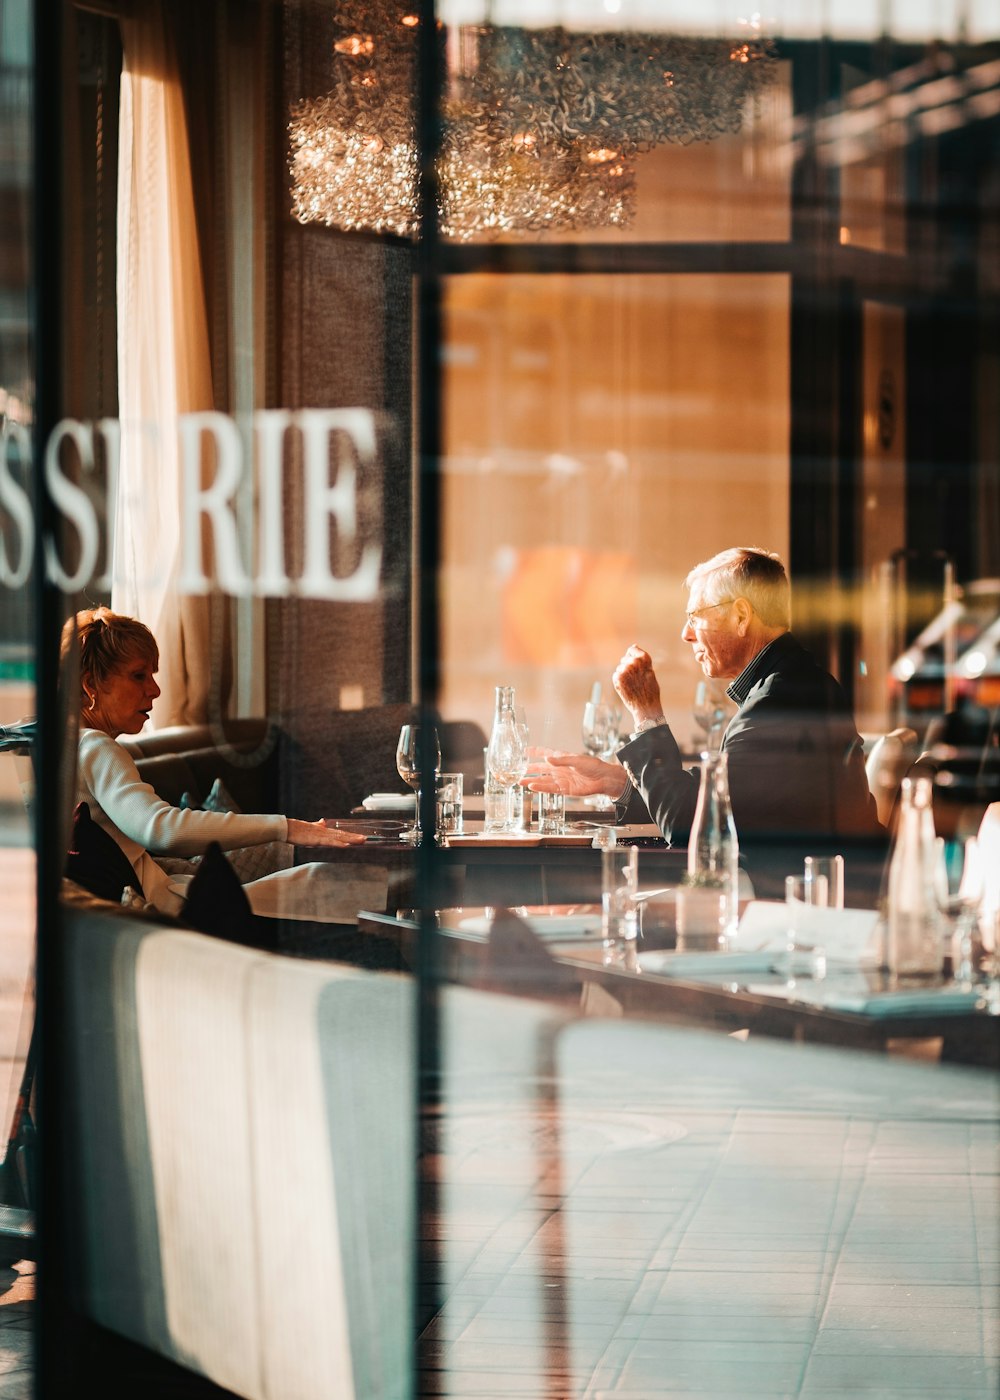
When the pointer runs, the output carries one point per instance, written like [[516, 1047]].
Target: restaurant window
[[351, 471], [18, 618]]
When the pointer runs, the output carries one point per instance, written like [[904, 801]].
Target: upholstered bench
[[188, 758], [241, 1152]]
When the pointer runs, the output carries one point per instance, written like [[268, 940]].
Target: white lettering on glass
[[339, 447], [110, 430], [270, 426], [16, 503], [337, 502], [74, 503], [213, 502]]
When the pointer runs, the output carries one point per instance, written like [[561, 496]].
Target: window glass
[[602, 435], [17, 615]]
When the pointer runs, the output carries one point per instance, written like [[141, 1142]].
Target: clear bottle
[[713, 861], [505, 762], [913, 920]]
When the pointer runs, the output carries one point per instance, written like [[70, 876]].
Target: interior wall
[[602, 435], [341, 332]]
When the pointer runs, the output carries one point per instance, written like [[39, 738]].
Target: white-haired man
[[795, 759]]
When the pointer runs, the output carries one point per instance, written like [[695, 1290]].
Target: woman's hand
[[575, 774], [319, 834]]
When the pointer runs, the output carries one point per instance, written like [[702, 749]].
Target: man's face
[[712, 630]]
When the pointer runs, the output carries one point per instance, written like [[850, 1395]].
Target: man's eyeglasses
[[692, 618]]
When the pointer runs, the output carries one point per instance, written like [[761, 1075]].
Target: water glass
[[551, 813], [449, 803], [619, 902], [804, 954], [824, 881]]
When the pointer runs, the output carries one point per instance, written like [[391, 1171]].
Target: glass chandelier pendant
[[541, 127]]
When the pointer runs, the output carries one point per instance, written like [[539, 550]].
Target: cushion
[[219, 799], [217, 904], [96, 862], [249, 862]]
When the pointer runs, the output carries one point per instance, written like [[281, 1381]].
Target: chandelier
[[541, 127]]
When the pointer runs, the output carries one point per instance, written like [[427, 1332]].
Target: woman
[[118, 662]]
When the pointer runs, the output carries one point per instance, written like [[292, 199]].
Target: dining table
[[475, 866], [558, 951]]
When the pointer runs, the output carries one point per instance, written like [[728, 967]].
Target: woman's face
[[123, 701]]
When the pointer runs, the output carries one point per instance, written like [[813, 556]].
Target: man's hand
[[319, 834], [635, 681], [575, 774]]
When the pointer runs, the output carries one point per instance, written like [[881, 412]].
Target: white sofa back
[[244, 1154]]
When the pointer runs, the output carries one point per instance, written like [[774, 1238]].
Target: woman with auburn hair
[[118, 660]]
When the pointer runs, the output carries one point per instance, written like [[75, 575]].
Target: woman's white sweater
[[143, 824]]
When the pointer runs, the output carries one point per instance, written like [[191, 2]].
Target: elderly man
[[795, 759]]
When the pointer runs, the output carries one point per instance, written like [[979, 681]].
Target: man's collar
[[754, 671]]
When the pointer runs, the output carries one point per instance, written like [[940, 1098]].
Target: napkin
[[701, 965], [390, 802], [940, 1001], [547, 926], [847, 936]]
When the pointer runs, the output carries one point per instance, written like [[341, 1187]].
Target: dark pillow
[[96, 862], [217, 904]]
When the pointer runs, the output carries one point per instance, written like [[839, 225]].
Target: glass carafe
[[914, 926], [713, 846], [506, 755]]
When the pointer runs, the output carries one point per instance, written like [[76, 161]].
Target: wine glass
[[600, 738], [709, 710], [417, 743], [507, 760]]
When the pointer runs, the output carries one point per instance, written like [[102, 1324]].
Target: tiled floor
[[17, 1293], [700, 1241]]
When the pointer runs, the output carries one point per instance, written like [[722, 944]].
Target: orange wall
[[602, 435]]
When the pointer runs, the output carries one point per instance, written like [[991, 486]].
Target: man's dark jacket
[[795, 758]]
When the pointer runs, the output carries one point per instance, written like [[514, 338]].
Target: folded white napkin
[[546, 926], [847, 936], [390, 802], [721, 966]]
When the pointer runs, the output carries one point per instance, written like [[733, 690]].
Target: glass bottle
[[713, 846], [913, 922], [506, 759]]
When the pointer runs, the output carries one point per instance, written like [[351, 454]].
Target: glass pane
[[602, 434], [703, 281], [560, 133], [17, 672]]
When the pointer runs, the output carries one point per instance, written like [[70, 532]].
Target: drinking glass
[[709, 711], [824, 880], [449, 803], [619, 902], [959, 890], [804, 955], [520, 797], [600, 738], [551, 813], [507, 763], [417, 743]]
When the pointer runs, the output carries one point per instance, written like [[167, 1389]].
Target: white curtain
[[164, 364]]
